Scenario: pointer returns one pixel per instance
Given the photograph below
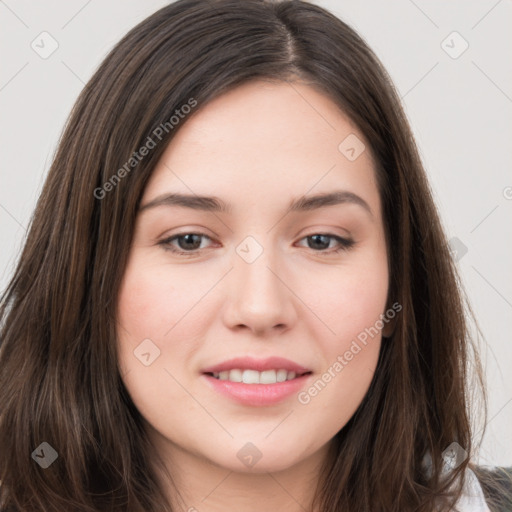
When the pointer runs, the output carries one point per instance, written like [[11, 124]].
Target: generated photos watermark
[[151, 142], [358, 344]]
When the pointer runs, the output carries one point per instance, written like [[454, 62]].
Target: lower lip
[[257, 394]]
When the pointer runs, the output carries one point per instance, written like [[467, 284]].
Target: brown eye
[[320, 242], [185, 243]]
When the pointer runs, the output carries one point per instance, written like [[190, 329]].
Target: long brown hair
[[60, 382]]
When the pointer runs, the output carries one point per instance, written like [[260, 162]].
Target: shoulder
[[496, 483]]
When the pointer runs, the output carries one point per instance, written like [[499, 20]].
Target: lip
[[257, 395], [250, 363]]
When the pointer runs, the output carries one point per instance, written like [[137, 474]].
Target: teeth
[[251, 377], [267, 377], [281, 375], [255, 377]]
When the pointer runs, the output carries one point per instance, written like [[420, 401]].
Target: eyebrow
[[301, 204]]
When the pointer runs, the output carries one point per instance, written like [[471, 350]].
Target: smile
[[254, 376]]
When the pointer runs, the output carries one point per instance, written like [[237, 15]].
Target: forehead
[[265, 137], [260, 115]]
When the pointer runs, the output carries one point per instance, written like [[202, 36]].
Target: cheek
[[150, 307], [154, 312], [332, 398], [157, 303], [350, 302], [351, 307], [143, 299]]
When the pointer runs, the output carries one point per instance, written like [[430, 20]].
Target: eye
[[190, 244], [321, 241]]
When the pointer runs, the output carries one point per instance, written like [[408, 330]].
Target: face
[[262, 282]]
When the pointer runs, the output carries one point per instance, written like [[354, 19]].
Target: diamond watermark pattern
[[249, 249], [454, 455], [454, 45], [249, 454], [45, 455], [457, 248], [146, 352], [351, 147], [44, 45]]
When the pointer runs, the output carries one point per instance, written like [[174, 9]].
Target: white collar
[[472, 498]]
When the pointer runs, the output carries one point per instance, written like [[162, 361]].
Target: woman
[[308, 351]]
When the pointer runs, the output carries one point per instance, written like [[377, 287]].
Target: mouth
[[248, 376], [257, 382]]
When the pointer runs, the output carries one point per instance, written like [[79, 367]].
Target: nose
[[259, 297]]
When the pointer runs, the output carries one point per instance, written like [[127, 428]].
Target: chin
[[259, 456], [268, 463]]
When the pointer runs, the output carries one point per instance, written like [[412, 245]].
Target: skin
[[256, 147]]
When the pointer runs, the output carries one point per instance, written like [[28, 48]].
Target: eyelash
[[345, 244]]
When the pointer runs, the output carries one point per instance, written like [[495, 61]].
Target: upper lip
[[249, 363]]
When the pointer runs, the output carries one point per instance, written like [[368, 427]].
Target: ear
[[390, 322], [389, 327]]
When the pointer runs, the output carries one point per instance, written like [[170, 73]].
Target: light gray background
[[460, 110]]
